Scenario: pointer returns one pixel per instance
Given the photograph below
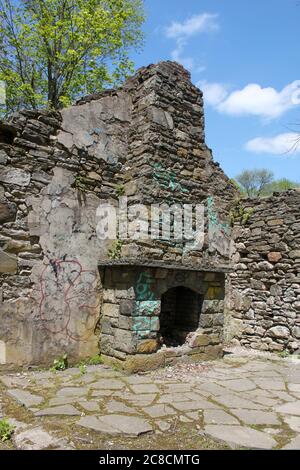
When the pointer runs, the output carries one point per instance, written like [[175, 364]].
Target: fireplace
[[180, 315], [160, 312]]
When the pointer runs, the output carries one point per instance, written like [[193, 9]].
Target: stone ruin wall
[[263, 302], [146, 139], [55, 169], [50, 189]]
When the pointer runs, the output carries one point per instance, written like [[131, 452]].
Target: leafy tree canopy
[[254, 183], [53, 51]]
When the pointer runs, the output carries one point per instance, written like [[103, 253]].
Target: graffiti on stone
[[147, 306], [64, 285], [167, 179], [144, 287]]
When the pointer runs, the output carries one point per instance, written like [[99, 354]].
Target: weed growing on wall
[[61, 363]]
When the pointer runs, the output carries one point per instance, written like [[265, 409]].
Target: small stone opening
[[180, 315], [7, 135]]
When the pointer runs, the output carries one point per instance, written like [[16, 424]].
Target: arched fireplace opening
[[180, 315]]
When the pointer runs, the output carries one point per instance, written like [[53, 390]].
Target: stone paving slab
[[108, 384], [194, 405], [72, 392], [25, 398], [293, 422], [91, 405], [116, 424], [219, 417], [240, 436], [159, 411], [231, 400], [39, 439], [115, 406], [145, 388], [245, 402], [256, 417], [294, 444], [292, 408], [64, 410]]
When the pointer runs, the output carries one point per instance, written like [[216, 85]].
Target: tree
[[280, 185], [253, 182], [53, 51]]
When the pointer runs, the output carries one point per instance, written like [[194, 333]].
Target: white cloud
[[202, 23], [281, 144], [176, 54], [265, 102], [256, 100], [214, 93], [181, 32]]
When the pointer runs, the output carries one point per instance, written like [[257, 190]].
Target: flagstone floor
[[240, 401]]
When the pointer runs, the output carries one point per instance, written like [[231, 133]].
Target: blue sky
[[245, 57]]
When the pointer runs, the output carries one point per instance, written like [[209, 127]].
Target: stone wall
[[131, 315], [169, 162], [263, 301], [145, 141]]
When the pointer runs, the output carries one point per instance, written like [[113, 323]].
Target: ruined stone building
[[142, 302]]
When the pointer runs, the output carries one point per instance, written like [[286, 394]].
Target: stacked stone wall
[[263, 301]]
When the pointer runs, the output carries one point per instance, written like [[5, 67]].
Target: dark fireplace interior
[[180, 314]]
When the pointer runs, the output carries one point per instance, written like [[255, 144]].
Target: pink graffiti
[[72, 288]]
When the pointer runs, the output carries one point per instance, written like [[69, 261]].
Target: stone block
[[209, 353], [7, 212], [18, 246], [127, 307], [147, 347], [110, 310], [15, 176], [8, 263], [274, 222], [107, 344], [125, 322], [279, 332], [3, 157], [144, 362], [214, 293], [206, 320], [124, 341], [109, 295], [122, 293], [294, 254], [155, 324], [296, 332], [200, 340], [106, 327], [274, 256], [212, 306], [161, 117]]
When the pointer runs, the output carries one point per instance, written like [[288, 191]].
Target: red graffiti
[[64, 281]]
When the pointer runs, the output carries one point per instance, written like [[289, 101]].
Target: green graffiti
[[146, 305], [143, 287], [167, 179], [213, 217]]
